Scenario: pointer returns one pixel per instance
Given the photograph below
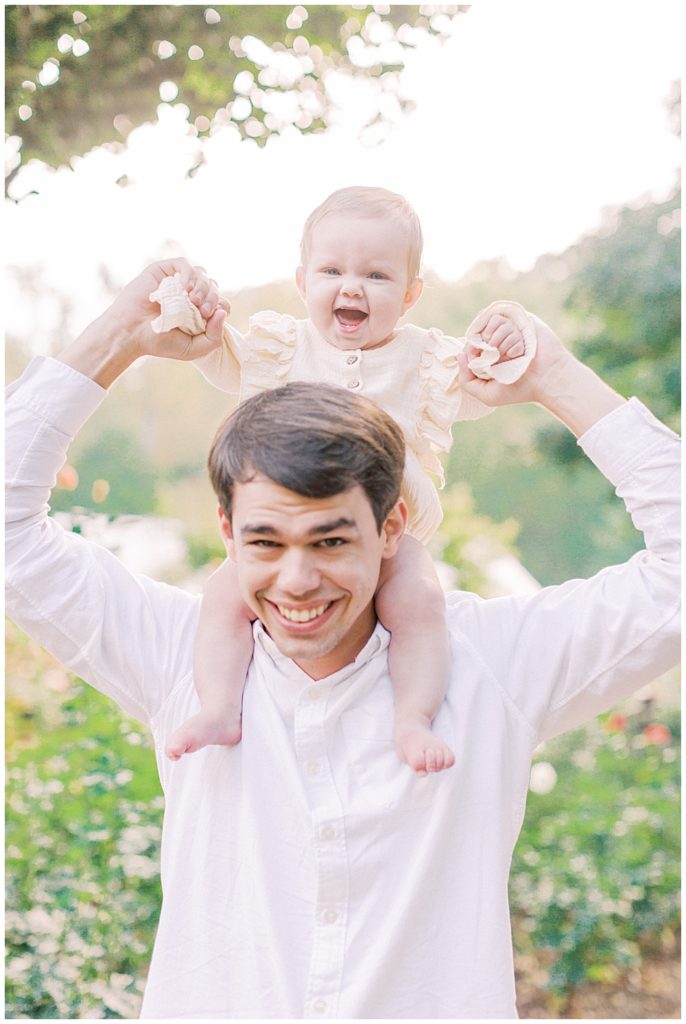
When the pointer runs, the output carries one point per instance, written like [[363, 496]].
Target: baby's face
[[355, 284]]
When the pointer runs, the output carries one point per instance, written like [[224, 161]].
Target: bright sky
[[528, 122]]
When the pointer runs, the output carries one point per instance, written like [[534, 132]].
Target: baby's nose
[[351, 286]]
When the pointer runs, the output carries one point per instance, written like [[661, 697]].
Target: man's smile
[[303, 619]]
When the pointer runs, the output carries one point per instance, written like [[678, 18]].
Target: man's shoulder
[[476, 620], [462, 602]]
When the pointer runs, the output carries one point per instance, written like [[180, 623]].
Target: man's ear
[[393, 529], [300, 281], [414, 291], [226, 531]]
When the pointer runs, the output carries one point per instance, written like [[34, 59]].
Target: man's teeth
[[302, 614]]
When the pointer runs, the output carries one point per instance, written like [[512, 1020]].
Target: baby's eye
[[376, 275], [331, 271]]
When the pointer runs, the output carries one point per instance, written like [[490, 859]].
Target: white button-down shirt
[[306, 872]]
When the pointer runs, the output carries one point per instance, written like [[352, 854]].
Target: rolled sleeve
[[125, 634]]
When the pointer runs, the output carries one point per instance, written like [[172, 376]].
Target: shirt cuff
[[619, 441], [57, 393]]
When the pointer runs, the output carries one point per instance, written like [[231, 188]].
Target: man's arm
[[571, 651], [125, 634]]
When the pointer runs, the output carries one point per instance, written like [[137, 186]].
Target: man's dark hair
[[314, 439]]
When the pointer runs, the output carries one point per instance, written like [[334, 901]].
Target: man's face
[[309, 567]]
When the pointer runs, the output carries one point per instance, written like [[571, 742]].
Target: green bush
[[595, 877], [82, 888]]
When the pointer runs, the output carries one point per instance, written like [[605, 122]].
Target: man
[[306, 872]]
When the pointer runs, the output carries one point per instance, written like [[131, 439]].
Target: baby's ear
[[300, 280], [414, 290]]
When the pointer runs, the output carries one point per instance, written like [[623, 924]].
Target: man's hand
[[133, 312], [123, 333], [555, 379]]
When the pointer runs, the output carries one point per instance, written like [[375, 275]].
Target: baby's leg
[[411, 605], [223, 649]]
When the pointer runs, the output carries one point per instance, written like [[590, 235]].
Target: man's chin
[[301, 649]]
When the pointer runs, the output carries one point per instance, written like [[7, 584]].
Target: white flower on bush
[[135, 866], [116, 997], [543, 777]]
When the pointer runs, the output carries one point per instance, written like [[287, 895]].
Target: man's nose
[[298, 573]]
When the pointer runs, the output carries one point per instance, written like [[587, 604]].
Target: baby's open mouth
[[349, 319]]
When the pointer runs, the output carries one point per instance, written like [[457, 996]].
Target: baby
[[358, 275]]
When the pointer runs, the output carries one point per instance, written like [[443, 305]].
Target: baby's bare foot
[[420, 748], [203, 729]]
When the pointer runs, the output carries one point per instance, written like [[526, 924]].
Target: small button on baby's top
[[353, 383], [351, 360]]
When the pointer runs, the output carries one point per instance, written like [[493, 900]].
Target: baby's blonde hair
[[363, 201]]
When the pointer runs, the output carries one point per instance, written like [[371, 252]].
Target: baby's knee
[[420, 602], [428, 598]]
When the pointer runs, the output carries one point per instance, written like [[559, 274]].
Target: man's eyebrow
[[264, 530], [336, 524]]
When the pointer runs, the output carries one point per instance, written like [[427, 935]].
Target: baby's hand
[[503, 334]]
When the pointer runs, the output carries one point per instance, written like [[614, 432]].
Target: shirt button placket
[[330, 855], [352, 371]]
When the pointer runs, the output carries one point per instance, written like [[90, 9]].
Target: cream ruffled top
[[414, 378]]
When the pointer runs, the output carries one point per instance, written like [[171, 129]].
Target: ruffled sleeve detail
[[441, 397], [240, 365], [269, 349], [443, 401]]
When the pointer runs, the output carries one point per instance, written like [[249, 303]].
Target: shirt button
[[351, 360], [312, 767], [314, 694], [319, 1006], [328, 832], [353, 383], [331, 917]]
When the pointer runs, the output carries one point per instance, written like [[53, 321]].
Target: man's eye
[[262, 543], [332, 542]]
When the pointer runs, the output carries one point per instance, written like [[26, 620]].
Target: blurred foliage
[[626, 291], [78, 77], [83, 823], [594, 880], [468, 540], [594, 885], [113, 476], [625, 295], [571, 524]]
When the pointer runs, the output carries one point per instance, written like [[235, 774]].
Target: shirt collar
[[286, 667]]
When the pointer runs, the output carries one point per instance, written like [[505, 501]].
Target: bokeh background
[[539, 143]]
